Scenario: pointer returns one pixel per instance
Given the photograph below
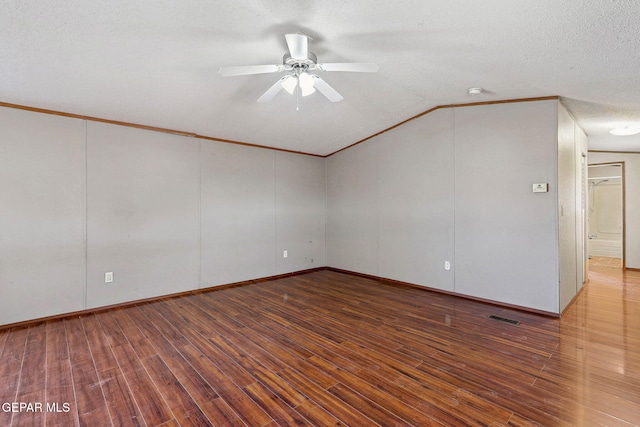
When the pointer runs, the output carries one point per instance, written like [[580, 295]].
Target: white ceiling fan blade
[[324, 88], [272, 91], [243, 70], [298, 45], [359, 67]]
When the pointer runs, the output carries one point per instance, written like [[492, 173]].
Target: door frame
[[624, 210]]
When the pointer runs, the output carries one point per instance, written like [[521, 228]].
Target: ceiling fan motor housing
[[290, 62]]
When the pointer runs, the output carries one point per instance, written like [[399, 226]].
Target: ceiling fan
[[298, 64]]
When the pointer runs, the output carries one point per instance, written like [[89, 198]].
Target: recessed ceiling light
[[625, 130], [473, 91]]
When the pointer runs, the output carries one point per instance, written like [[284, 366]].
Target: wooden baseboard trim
[[390, 282], [398, 283], [31, 322], [632, 269]]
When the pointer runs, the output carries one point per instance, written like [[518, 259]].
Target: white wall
[[455, 184], [238, 213], [142, 213], [169, 213], [390, 203], [506, 235], [300, 208], [352, 209], [416, 198], [256, 204], [165, 213], [632, 200], [41, 215]]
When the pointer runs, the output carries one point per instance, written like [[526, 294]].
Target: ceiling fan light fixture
[[306, 92], [298, 63], [306, 84], [289, 84], [625, 130]]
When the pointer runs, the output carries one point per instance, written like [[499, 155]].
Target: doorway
[[606, 218]]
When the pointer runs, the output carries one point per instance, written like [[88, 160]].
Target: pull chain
[[297, 90]]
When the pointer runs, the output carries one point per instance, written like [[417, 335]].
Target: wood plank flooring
[[603, 261], [326, 348]]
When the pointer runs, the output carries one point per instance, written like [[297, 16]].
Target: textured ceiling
[[156, 63]]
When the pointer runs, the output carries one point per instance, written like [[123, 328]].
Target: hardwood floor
[[327, 348], [603, 261]]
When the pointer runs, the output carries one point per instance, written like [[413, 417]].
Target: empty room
[[336, 213]]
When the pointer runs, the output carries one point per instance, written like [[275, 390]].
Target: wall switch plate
[[447, 265], [541, 187], [108, 277], [285, 254]]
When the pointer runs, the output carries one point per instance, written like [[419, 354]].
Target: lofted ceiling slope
[[156, 63]]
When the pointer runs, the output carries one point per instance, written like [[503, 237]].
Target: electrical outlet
[[447, 265], [108, 277], [285, 254]]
